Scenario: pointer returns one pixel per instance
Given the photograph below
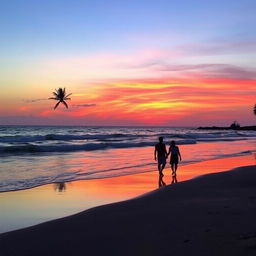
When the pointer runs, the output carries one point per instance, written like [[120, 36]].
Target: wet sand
[[210, 215], [25, 208]]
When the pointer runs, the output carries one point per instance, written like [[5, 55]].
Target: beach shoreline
[[24, 208], [209, 215], [156, 209], [67, 154]]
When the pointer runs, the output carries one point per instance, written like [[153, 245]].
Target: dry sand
[[210, 215]]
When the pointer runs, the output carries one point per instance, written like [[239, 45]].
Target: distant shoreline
[[243, 128]]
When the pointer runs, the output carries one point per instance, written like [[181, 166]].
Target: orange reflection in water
[[28, 207], [219, 165], [124, 187]]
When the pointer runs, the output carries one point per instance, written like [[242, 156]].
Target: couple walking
[[161, 155]]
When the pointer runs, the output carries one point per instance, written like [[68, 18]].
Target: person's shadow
[[161, 182]]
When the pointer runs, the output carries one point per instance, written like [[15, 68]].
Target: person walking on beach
[[161, 182], [160, 155], [175, 156]]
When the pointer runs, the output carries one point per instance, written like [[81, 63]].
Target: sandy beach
[[24, 208], [210, 215]]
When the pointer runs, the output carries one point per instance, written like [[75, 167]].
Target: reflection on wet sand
[[19, 212], [174, 179], [60, 186], [161, 182]]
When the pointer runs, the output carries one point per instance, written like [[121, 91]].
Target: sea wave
[[90, 142], [49, 137], [32, 148], [33, 156], [123, 136]]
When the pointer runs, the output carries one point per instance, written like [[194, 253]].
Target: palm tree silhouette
[[61, 96], [254, 110]]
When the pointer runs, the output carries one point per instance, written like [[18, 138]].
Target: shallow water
[[34, 156], [24, 208]]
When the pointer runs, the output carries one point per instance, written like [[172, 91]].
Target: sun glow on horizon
[[129, 71]]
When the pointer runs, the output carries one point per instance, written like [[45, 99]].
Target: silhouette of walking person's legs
[[161, 182], [160, 168], [174, 167], [174, 179]]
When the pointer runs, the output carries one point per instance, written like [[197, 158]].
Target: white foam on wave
[[32, 148], [37, 138], [190, 134]]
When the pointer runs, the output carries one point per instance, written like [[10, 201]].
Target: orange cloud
[[159, 103], [141, 88]]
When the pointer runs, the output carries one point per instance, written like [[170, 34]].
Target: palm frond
[[68, 94], [53, 98], [66, 105], [57, 105]]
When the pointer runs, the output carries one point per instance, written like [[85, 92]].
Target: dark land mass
[[242, 128]]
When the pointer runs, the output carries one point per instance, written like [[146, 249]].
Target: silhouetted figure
[[60, 186], [175, 156], [161, 182], [174, 179], [160, 155], [61, 96]]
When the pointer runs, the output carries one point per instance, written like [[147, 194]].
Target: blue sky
[[81, 44], [52, 27]]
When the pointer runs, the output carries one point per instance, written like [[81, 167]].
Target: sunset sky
[[131, 62]]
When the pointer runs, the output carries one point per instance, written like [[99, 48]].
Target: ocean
[[37, 155]]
